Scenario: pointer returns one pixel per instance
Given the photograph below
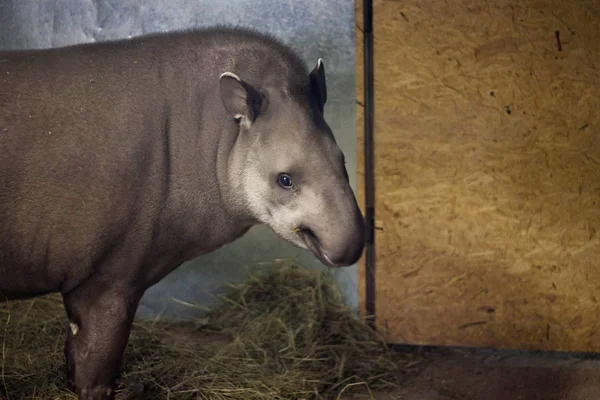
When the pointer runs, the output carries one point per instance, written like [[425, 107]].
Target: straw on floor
[[283, 334]]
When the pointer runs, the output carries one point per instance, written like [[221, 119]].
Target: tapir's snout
[[350, 248], [340, 244]]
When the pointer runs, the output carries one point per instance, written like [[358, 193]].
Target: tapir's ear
[[240, 99], [317, 84]]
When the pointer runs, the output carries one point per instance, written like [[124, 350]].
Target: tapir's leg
[[100, 319]]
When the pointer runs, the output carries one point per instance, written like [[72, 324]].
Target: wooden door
[[487, 146]]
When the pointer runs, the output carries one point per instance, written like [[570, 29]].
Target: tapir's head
[[288, 170]]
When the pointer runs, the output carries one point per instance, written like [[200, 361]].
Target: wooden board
[[487, 146]]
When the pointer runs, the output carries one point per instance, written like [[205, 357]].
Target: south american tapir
[[121, 160]]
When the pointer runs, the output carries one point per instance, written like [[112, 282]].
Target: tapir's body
[[122, 160], [122, 164]]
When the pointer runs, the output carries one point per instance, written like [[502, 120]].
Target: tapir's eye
[[285, 181]]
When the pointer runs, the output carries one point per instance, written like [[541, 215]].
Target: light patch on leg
[[231, 75], [74, 328]]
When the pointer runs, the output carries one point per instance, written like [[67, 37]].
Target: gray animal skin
[[122, 160]]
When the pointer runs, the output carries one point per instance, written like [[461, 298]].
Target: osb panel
[[487, 172], [360, 159]]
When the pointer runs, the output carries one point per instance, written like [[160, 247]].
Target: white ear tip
[[319, 63], [231, 75]]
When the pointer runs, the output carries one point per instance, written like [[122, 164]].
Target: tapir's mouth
[[314, 245]]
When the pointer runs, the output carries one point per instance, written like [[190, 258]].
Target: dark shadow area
[[451, 373]]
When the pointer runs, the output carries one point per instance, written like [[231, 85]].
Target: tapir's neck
[[204, 211], [228, 156]]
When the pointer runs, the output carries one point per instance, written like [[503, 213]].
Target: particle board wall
[[487, 172]]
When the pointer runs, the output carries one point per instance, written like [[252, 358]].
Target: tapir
[[121, 160]]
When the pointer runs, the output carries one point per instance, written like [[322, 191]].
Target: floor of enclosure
[[487, 375]]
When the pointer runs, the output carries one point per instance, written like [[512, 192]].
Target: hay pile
[[284, 334]]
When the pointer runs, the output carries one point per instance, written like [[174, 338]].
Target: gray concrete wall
[[315, 28]]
